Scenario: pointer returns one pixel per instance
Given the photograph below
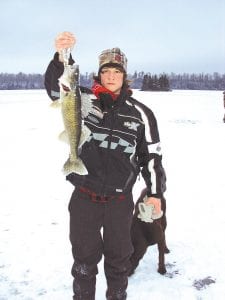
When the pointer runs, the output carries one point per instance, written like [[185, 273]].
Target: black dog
[[146, 234]]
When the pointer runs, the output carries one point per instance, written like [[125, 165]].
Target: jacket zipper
[[112, 118]]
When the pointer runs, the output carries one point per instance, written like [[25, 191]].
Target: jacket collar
[[108, 103]]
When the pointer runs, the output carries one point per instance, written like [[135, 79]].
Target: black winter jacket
[[123, 143]]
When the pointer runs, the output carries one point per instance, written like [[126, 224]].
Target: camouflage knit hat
[[113, 57]]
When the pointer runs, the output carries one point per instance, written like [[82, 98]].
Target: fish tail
[[74, 166]]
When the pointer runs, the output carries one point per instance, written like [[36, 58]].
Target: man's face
[[112, 79]]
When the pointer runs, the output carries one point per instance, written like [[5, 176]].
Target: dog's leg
[[164, 222], [166, 250], [161, 248], [140, 248]]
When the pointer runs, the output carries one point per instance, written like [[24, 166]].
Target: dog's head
[[141, 198]]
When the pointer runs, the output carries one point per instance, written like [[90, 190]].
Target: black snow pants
[[88, 215]]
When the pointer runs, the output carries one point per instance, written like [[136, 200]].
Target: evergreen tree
[[145, 83]]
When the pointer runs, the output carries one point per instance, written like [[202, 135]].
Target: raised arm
[[55, 68]]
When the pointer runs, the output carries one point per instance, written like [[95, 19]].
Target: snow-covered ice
[[35, 253]]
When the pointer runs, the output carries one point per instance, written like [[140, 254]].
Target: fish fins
[[76, 166], [56, 104], [85, 133], [63, 137]]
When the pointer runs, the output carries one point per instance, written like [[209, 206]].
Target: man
[[122, 143], [224, 105]]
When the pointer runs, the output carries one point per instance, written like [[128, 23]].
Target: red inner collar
[[98, 89]]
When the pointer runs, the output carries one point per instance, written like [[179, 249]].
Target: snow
[[35, 253]]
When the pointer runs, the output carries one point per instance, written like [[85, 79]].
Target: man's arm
[[52, 74], [150, 159], [55, 68]]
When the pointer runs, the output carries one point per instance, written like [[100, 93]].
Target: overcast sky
[[157, 36]]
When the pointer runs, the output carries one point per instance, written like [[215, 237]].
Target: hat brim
[[112, 65]]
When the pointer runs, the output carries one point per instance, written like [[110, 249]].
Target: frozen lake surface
[[35, 253]]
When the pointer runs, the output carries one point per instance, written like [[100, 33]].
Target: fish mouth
[[65, 88]]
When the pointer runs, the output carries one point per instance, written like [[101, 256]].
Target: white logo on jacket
[[131, 125]]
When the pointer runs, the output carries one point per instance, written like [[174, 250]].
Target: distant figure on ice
[[122, 143], [224, 106]]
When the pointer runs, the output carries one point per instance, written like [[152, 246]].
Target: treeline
[[139, 80], [201, 81], [21, 81], [155, 83], [172, 81]]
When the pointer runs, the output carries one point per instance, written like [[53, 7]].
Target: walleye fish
[[77, 134]]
